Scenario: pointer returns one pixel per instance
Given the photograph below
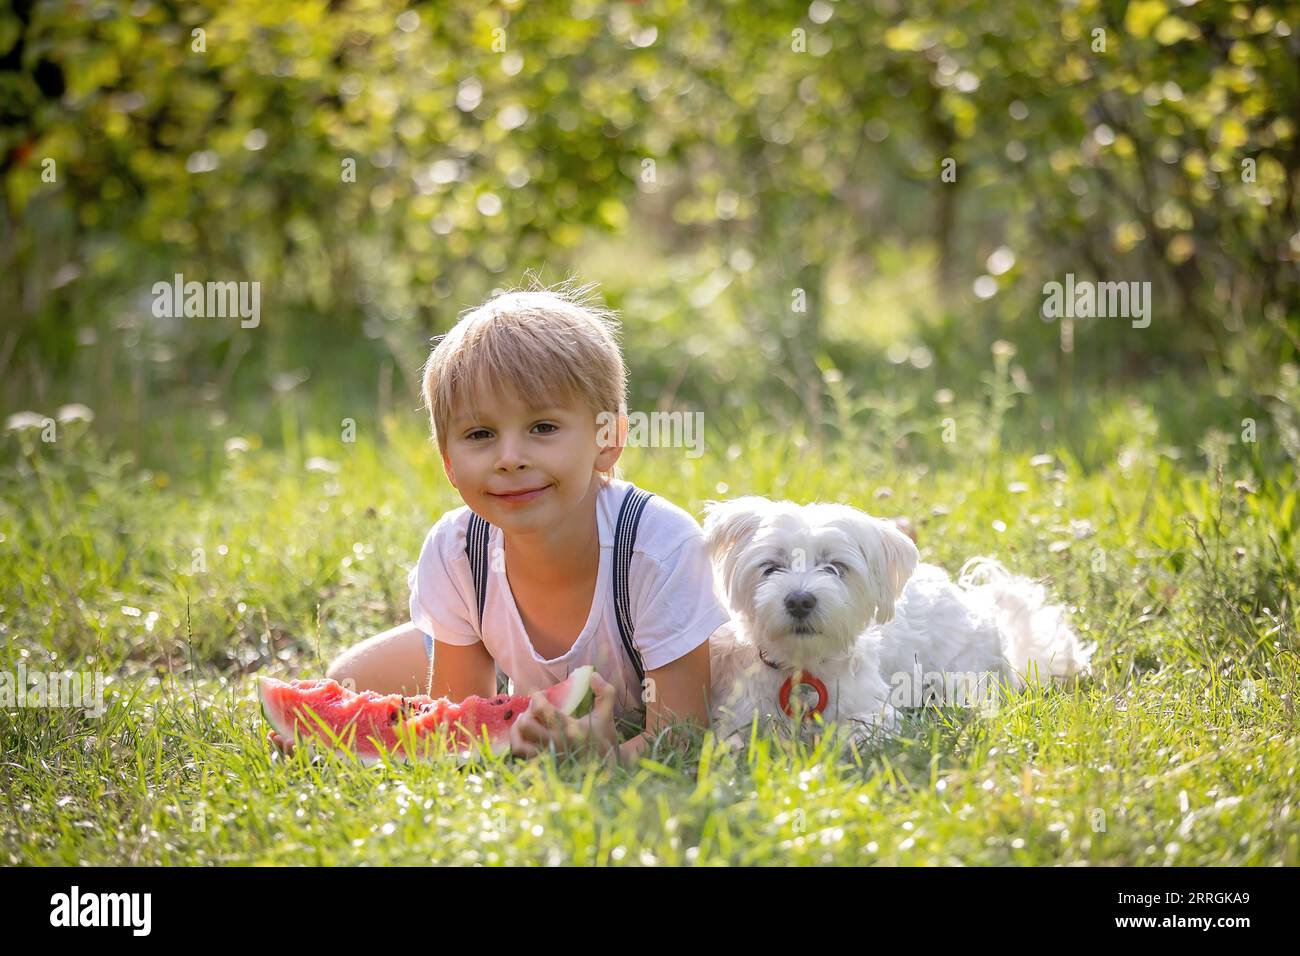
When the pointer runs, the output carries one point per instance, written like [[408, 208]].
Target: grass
[[1182, 749]]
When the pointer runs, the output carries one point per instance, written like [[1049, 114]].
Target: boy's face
[[524, 469]]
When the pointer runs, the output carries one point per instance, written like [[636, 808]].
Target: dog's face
[[806, 580]]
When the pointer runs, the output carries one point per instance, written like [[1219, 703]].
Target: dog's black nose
[[800, 603]]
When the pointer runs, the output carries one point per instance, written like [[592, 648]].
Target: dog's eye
[[837, 569], [769, 567]]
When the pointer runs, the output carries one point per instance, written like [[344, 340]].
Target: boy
[[520, 393]]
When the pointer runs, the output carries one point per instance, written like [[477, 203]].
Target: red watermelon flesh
[[363, 723]]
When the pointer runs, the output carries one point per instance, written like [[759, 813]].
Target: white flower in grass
[[21, 421], [322, 465], [76, 412], [236, 446]]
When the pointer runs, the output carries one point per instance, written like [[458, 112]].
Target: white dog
[[832, 614]]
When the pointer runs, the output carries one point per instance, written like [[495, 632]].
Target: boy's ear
[[612, 439], [446, 466]]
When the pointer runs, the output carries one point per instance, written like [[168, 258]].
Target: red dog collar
[[802, 678]]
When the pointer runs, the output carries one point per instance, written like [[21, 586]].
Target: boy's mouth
[[515, 497]]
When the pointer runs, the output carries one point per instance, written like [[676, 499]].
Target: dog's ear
[[728, 526], [891, 558]]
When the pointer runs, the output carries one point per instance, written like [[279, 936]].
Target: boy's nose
[[510, 457]]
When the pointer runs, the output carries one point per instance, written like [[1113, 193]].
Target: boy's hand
[[542, 726]]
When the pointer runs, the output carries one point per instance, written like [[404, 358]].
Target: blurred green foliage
[[760, 184]]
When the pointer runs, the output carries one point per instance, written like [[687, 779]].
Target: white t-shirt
[[670, 584]]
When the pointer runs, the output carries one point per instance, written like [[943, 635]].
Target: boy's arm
[[680, 692], [459, 670]]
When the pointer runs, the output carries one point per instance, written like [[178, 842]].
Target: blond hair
[[544, 345]]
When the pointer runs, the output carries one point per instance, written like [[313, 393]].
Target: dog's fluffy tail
[[1037, 640]]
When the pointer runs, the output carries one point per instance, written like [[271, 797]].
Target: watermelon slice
[[326, 714]]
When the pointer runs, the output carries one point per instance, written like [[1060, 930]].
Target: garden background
[[827, 227]]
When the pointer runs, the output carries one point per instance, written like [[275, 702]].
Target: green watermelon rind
[[573, 695]]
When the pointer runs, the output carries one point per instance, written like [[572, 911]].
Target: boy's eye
[[546, 428]]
